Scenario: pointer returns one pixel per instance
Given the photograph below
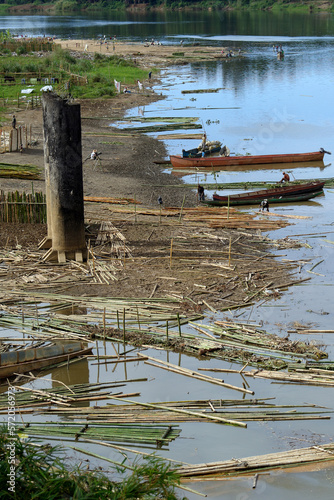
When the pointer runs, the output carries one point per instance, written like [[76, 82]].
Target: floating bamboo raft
[[219, 411], [158, 436], [250, 465], [64, 396], [200, 91], [163, 128], [307, 376]]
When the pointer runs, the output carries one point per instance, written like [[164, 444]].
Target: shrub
[[40, 474]]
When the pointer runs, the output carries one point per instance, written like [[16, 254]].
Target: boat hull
[[26, 360], [270, 198], [225, 161]]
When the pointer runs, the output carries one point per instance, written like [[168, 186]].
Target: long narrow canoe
[[279, 193], [281, 190], [223, 161], [26, 360], [271, 199]]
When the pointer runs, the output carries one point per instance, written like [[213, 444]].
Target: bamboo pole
[[171, 253], [192, 374], [248, 465], [229, 252], [184, 199], [124, 325], [199, 415]]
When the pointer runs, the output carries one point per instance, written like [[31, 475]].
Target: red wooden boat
[[277, 194], [225, 161]]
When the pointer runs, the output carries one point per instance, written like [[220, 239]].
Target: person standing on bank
[[200, 190], [14, 122]]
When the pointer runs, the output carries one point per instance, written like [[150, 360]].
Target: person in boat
[[203, 143], [224, 151], [285, 178], [200, 190], [264, 205]]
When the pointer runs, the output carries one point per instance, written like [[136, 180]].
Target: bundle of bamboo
[[61, 397], [157, 436], [17, 171], [250, 465]]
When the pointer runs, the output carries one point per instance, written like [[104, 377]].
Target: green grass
[[100, 72], [40, 474]]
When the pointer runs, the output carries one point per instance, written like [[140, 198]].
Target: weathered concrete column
[[63, 179]]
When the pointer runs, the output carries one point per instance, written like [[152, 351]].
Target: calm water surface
[[262, 106]]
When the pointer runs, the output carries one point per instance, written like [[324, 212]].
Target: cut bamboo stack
[[141, 434], [249, 465]]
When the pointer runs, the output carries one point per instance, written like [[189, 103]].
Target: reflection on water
[[71, 374], [215, 172], [191, 26]]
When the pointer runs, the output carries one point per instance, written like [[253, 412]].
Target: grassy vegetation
[[83, 77], [40, 474]]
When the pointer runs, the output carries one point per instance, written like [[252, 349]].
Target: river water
[[262, 106]]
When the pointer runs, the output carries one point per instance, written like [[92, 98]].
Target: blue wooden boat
[[210, 148]]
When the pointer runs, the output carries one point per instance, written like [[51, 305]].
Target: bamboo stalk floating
[[190, 373], [163, 128], [124, 360], [307, 377], [123, 448], [69, 394], [142, 119], [194, 414], [306, 331], [95, 455], [225, 410], [235, 467]]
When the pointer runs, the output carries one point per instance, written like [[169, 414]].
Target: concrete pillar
[[63, 179]]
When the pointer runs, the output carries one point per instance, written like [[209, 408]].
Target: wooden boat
[[271, 199], [26, 360], [197, 152], [279, 194], [225, 161]]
